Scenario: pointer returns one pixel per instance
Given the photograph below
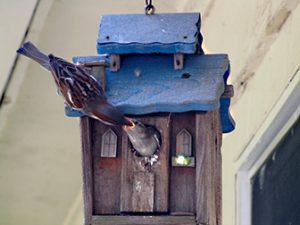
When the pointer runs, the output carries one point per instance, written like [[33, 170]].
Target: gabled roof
[[149, 84], [158, 33]]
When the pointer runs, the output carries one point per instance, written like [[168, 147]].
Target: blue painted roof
[[160, 88], [158, 33], [149, 84]]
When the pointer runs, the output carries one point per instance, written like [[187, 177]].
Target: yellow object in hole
[[182, 160]]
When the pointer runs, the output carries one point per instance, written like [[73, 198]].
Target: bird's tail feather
[[29, 50]]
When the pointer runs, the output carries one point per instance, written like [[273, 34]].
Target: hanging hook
[[149, 8]]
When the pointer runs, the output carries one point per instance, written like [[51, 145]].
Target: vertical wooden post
[[87, 169], [155, 183], [115, 62], [99, 73], [208, 168], [218, 179], [87, 157]]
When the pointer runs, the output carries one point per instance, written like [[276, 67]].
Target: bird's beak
[[129, 127]]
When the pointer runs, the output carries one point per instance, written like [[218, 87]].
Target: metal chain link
[[149, 8]]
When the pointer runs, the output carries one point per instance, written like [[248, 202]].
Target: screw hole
[[114, 64], [186, 76], [177, 62], [185, 37], [107, 37]]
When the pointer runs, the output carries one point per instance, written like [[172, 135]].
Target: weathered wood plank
[[182, 180], [144, 220], [208, 168], [182, 190], [211, 198], [130, 165], [107, 171], [202, 172], [87, 168], [218, 135], [99, 74], [143, 192]]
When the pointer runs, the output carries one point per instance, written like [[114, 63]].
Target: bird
[[80, 89], [145, 140], [84, 93]]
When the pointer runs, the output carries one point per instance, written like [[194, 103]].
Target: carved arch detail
[[109, 144], [184, 143]]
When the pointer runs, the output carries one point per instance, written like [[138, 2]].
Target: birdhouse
[[153, 69]]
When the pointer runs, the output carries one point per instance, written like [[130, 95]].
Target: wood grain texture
[[143, 192], [182, 180], [130, 165], [99, 73], [144, 220], [182, 190], [218, 141], [107, 172], [87, 168], [208, 168]]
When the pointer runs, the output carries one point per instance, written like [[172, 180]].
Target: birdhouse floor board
[[144, 220]]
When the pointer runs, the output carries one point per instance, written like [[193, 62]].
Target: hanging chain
[[149, 8]]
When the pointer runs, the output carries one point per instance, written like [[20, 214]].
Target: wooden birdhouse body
[[157, 73]]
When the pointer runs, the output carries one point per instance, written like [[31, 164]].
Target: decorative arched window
[[184, 143], [109, 144]]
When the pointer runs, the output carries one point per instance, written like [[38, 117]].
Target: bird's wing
[[76, 85], [156, 135]]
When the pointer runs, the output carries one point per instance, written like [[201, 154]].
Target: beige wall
[[14, 19], [261, 38]]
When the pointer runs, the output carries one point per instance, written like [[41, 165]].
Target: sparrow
[[80, 89], [145, 139]]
